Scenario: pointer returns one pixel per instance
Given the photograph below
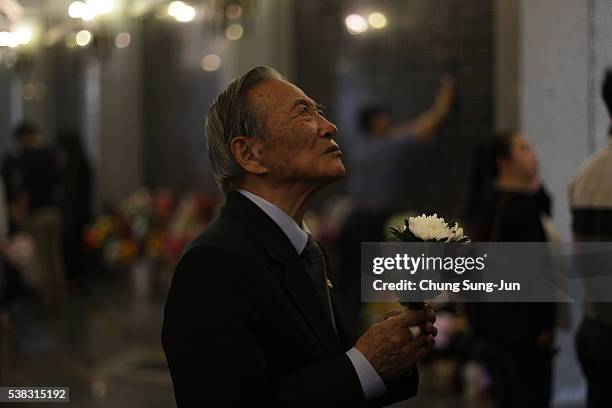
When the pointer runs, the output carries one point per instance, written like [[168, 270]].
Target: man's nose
[[328, 130]]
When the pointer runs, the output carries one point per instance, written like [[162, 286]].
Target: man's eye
[[304, 109]]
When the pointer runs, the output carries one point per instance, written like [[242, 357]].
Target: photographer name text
[[462, 286]]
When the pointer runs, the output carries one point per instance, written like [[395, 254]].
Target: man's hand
[[389, 345]]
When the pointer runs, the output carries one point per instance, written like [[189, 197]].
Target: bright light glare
[[101, 6], [83, 38], [122, 40], [5, 38], [181, 11], [76, 9], [234, 32], [175, 7], [88, 13], [211, 62], [13, 40], [185, 14], [23, 35], [356, 24], [377, 20]]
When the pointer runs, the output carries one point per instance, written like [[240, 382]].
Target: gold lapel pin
[[329, 284]]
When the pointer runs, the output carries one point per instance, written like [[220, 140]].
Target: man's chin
[[336, 174], [338, 167]]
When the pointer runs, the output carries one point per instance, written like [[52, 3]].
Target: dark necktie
[[314, 263]]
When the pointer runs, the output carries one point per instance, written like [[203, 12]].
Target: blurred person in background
[[31, 177], [513, 206], [513, 200], [76, 186], [373, 178], [12, 175], [590, 195], [373, 182], [15, 283]]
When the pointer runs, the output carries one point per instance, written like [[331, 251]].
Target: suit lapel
[[345, 333], [300, 288], [293, 277]]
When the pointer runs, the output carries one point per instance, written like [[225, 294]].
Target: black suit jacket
[[244, 327]]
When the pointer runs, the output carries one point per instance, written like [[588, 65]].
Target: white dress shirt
[[371, 383]]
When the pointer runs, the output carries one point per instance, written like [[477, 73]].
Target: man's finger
[[429, 328], [393, 313], [430, 341], [421, 353], [418, 341], [412, 345], [411, 318]]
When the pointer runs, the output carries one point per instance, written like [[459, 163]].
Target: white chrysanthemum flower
[[432, 227]]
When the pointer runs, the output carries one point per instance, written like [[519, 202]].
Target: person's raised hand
[[445, 94]]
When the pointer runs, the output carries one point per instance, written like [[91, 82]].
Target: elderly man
[[251, 318]]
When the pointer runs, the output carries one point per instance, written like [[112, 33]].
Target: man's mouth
[[333, 149]]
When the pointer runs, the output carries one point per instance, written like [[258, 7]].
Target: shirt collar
[[298, 236]]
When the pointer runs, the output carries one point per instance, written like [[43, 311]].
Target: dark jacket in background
[[33, 171], [40, 178], [513, 217], [521, 369]]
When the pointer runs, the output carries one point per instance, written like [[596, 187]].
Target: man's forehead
[[278, 93]]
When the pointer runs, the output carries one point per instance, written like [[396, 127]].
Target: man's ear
[[248, 152]]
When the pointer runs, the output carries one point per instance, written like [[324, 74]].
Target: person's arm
[[214, 357], [424, 126], [378, 392], [372, 385]]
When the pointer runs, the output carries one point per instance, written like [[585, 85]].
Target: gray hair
[[231, 115]]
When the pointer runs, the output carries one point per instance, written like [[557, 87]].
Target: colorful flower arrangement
[[149, 226]]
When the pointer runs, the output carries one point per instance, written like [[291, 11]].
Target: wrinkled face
[[524, 161], [300, 145]]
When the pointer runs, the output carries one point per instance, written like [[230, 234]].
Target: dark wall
[[400, 67], [67, 95], [60, 69], [176, 97]]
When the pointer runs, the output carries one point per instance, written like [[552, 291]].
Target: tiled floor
[[105, 346]]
